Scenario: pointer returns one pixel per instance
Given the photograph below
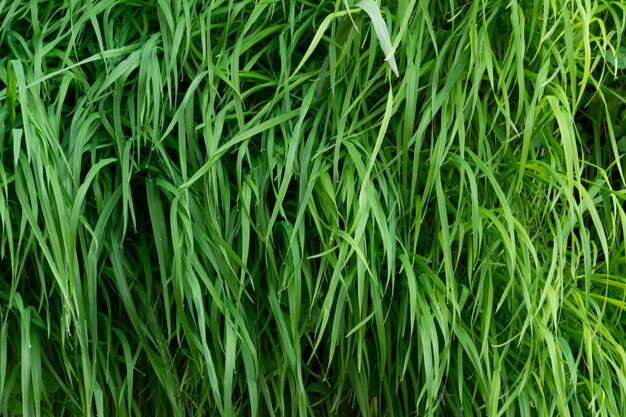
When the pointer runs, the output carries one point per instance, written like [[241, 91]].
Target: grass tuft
[[276, 208]]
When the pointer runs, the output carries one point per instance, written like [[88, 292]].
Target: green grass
[[294, 208]]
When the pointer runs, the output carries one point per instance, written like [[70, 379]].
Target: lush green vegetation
[[282, 208]]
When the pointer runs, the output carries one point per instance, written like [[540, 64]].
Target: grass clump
[[291, 208]]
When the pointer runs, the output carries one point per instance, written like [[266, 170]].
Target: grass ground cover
[[294, 208]]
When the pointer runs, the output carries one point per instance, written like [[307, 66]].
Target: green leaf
[[617, 59], [621, 145], [382, 32]]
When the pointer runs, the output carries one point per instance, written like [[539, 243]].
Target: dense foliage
[[291, 208]]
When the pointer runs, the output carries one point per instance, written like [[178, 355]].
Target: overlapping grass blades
[[236, 208]]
